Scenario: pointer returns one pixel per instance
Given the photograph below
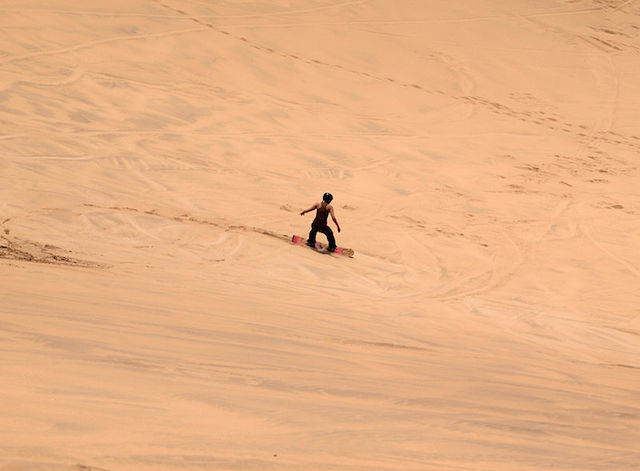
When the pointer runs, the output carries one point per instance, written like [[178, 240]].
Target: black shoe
[[311, 244], [329, 249]]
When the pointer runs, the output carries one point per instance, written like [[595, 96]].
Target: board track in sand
[[155, 156]]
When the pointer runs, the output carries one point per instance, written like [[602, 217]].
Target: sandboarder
[[319, 224]]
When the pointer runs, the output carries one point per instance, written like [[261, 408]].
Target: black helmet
[[327, 197]]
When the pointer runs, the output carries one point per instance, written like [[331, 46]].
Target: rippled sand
[[154, 157]]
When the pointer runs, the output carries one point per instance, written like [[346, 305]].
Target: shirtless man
[[323, 209]]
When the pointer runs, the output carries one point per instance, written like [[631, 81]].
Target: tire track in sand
[[16, 58]]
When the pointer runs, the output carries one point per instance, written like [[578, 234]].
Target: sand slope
[[154, 156]]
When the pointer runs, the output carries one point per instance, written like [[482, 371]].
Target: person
[[319, 224]]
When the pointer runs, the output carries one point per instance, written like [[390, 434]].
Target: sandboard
[[321, 247]]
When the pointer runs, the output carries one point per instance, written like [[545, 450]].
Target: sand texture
[[155, 156]]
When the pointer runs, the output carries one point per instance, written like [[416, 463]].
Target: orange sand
[[154, 157]]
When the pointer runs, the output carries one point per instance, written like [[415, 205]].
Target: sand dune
[[483, 156]]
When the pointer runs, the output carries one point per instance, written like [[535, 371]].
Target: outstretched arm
[[315, 206], [333, 216]]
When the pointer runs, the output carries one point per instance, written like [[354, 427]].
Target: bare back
[[322, 215]]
